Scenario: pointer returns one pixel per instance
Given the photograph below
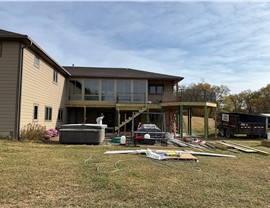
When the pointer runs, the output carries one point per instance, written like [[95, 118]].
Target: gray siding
[[9, 62]]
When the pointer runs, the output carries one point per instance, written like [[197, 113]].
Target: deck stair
[[129, 119]]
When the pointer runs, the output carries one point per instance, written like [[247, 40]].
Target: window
[[75, 90], [107, 90], [60, 115], [139, 88], [1, 46], [55, 76], [36, 61], [156, 89], [48, 113], [124, 90], [35, 114], [91, 89]]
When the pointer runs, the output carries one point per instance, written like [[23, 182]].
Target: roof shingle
[[8, 34], [123, 73]]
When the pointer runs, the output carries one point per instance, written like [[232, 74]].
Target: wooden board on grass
[[247, 150], [218, 145], [256, 150], [185, 157]]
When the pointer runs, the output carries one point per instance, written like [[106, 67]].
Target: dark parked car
[[149, 134]]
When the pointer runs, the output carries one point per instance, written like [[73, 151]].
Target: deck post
[[84, 114], [215, 116], [190, 121], [205, 122], [118, 122], [181, 120]]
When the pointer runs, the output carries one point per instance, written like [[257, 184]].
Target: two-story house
[[32, 85], [113, 91], [34, 88]]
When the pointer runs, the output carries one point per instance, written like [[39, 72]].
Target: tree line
[[253, 102]]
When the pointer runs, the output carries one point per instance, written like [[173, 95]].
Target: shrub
[[33, 131], [51, 133]]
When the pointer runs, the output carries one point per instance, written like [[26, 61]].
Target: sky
[[220, 43]]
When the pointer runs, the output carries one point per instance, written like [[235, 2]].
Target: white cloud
[[221, 43]]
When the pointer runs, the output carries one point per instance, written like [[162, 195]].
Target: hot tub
[[82, 133]]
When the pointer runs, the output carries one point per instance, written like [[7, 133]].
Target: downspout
[[19, 89]]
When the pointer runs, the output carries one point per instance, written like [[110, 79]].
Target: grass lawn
[[53, 175]]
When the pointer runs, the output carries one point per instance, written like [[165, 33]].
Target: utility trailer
[[251, 125]]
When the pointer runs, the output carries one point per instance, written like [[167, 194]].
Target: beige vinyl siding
[[38, 88], [9, 62]]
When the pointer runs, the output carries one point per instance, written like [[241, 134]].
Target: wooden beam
[[193, 104], [205, 122], [190, 121], [215, 116], [181, 122], [259, 151]]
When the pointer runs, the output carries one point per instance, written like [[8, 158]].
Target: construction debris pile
[[204, 148], [223, 145], [168, 154]]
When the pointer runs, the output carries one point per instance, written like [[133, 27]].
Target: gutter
[[64, 71], [19, 89]]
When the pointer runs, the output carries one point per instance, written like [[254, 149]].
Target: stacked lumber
[[245, 148], [218, 145]]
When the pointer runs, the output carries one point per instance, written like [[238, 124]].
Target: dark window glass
[[156, 89], [60, 115], [91, 89], [36, 61], [55, 76], [48, 113], [139, 89], [75, 90], [124, 90], [35, 112], [107, 90]]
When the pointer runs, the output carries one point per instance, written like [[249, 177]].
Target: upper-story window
[[36, 61], [124, 90], [107, 89], [156, 89], [139, 89], [55, 76], [75, 90], [91, 89], [1, 46]]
